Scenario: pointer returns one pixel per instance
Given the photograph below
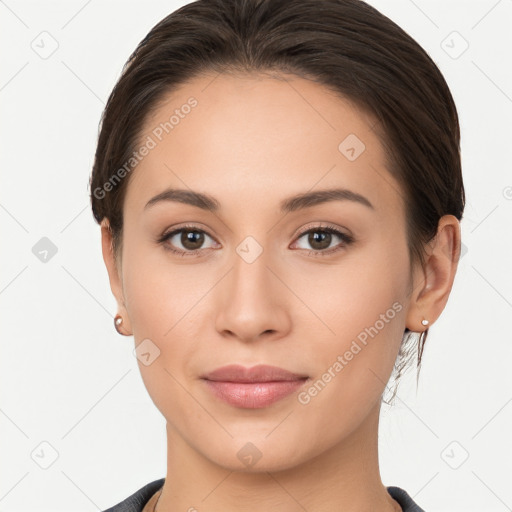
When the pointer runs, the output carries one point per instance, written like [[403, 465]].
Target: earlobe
[[114, 276], [432, 284]]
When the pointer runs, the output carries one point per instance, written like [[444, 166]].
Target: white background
[[68, 379]]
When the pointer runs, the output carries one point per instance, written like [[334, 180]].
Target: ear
[[433, 283], [114, 274]]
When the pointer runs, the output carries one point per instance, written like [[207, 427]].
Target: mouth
[[252, 388], [259, 373]]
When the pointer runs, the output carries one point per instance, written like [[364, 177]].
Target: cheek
[[358, 325], [166, 303], [353, 367], [165, 309], [340, 301], [158, 292]]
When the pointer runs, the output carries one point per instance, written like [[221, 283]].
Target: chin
[[254, 454]]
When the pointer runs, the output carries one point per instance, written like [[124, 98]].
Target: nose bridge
[[252, 301], [251, 276]]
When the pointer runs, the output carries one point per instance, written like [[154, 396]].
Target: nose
[[252, 301]]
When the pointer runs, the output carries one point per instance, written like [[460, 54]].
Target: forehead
[[261, 138]]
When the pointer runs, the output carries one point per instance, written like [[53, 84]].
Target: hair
[[345, 45]]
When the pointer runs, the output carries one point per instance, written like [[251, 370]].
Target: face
[[318, 287]]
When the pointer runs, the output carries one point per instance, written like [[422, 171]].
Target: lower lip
[[253, 395]]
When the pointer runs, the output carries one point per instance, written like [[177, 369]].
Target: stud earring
[[118, 320], [424, 321]]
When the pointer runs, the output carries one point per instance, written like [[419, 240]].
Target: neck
[[345, 477]]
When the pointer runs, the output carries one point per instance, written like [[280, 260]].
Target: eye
[[321, 239], [189, 240]]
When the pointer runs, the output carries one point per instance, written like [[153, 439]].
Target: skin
[[251, 142]]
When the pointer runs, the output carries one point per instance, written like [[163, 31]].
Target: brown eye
[[319, 240], [186, 241], [192, 240], [322, 240]]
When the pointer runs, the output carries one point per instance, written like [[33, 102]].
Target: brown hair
[[345, 45]]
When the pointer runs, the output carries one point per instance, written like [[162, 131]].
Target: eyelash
[[346, 239]]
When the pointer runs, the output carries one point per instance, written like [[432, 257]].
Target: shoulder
[[404, 500], [137, 501]]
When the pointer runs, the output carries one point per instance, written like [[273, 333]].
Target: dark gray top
[[137, 501]]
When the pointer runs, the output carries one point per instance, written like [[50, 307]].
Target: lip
[[252, 388], [258, 373]]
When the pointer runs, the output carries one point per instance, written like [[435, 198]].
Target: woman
[[279, 189]]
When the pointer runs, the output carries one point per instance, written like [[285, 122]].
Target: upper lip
[[258, 373]]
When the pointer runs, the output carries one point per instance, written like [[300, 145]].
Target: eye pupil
[[321, 236], [194, 237]]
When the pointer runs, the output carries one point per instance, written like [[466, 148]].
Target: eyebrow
[[294, 203]]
